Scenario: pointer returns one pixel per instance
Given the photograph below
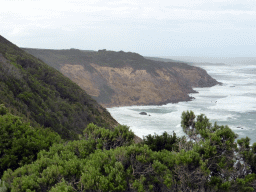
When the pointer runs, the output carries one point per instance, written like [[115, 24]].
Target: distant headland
[[125, 78]]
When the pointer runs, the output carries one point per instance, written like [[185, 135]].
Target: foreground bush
[[209, 159], [20, 142], [62, 166], [161, 142]]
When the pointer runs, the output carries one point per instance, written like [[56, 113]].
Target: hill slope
[[123, 79], [41, 94]]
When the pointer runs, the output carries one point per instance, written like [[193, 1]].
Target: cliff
[[124, 79]]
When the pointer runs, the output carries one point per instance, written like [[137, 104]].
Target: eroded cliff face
[[125, 79], [125, 86]]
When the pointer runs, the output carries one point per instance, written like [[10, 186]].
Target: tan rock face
[[136, 87], [124, 79], [83, 78]]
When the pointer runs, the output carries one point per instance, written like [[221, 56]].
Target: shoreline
[[172, 101], [153, 104]]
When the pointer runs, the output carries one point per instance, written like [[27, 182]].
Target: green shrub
[[161, 142], [3, 188], [3, 109], [20, 142], [109, 139], [108, 160]]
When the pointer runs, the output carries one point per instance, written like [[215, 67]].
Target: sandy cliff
[[124, 79]]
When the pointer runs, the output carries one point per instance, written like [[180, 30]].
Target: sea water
[[233, 103]]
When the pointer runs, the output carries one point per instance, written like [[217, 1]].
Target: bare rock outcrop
[[125, 79]]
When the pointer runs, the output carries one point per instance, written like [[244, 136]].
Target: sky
[[208, 28]]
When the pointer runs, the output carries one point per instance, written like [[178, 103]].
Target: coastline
[[173, 101]]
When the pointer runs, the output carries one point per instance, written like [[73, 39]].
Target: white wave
[[248, 67], [222, 103], [236, 103]]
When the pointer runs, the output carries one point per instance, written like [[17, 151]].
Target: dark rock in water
[[143, 113], [149, 115]]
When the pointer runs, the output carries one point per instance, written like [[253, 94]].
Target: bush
[[109, 139], [3, 188], [108, 160], [3, 109], [20, 142], [161, 142]]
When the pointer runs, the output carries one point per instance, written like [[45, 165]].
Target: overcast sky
[[214, 28]]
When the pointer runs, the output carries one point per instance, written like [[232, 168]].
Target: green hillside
[[42, 95]]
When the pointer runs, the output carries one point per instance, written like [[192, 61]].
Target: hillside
[[124, 79], [44, 97]]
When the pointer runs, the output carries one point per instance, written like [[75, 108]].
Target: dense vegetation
[[20, 142], [43, 96], [208, 159]]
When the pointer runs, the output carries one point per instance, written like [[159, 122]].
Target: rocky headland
[[124, 79]]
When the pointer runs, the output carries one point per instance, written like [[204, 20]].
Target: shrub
[[20, 142]]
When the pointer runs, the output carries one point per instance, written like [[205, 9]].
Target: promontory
[[126, 78]]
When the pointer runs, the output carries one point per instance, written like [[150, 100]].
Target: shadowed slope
[[32, 89]]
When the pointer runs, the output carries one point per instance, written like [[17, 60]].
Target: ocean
[[233, 103]]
